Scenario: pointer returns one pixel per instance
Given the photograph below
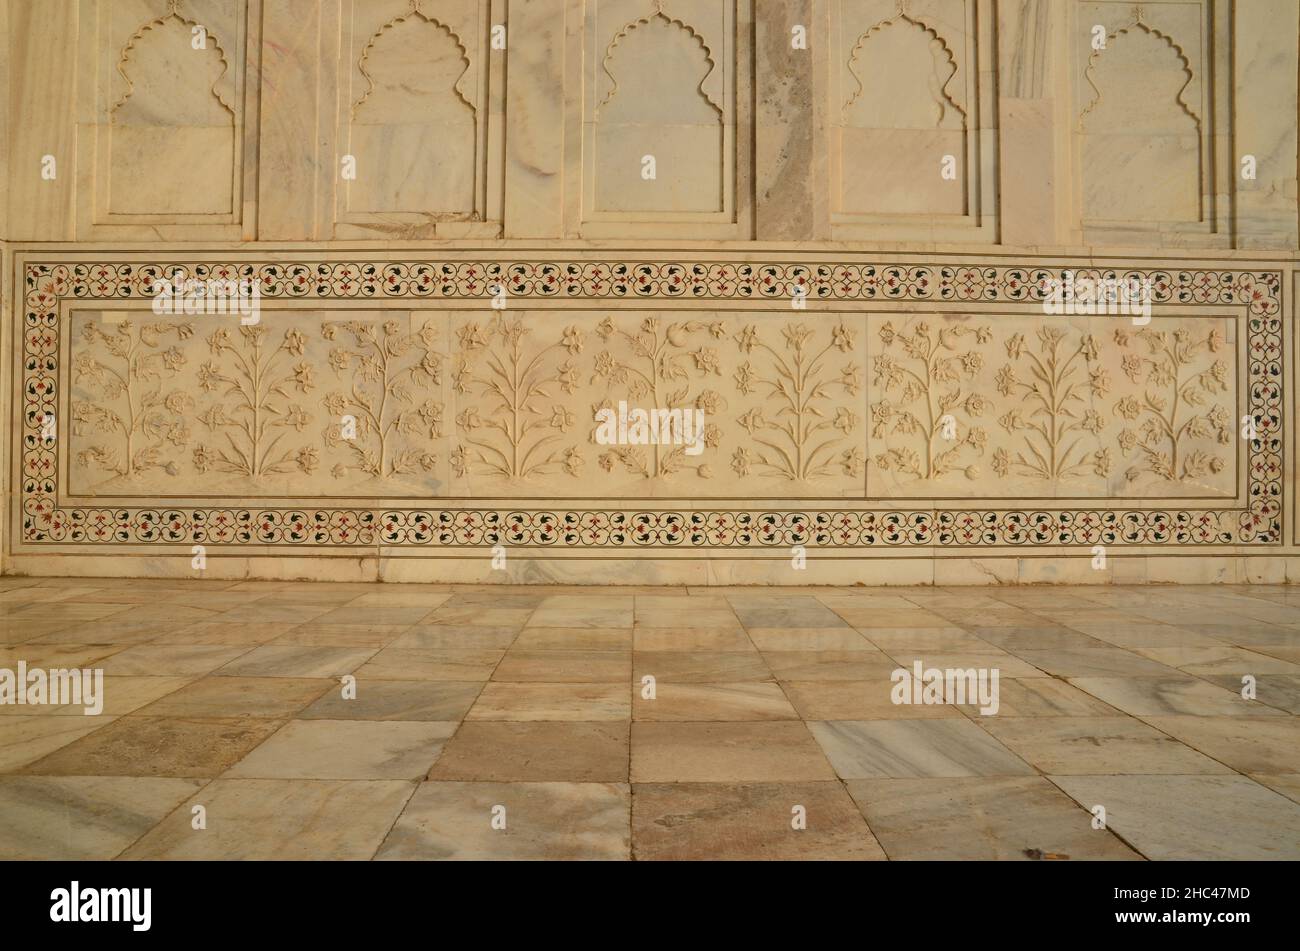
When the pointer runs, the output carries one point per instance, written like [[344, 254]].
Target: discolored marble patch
[[690, 702], [280, 820], [1100, 745], [748, 822], [157, 746], [1247, 744], [1161, 696], [866, 749], [394, 663], [25, 739], [82, 817], [857, 700], [543, 751], [552, 701], [543, 821], [719, 752], [396, 700], [264, 697], [700, 666], [346, 749], [560, 666], [981, 819], [292, 661], [1193, 817]]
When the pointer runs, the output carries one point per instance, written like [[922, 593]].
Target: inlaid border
[[629, 527]]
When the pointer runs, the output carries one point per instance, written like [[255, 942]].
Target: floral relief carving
[[801, 423], [923, 393], [1177, 408], [513, 433], [133, 405], [258, 381], [389, 374], [1053, 414], [655, 372], [1168, 397]]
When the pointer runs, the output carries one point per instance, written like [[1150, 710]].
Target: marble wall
[[841, 249]]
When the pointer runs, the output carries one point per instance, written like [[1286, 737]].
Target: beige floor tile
[[456, 636], [809, 639], [1093, 662], [982, 818], [544, 821], [552, 701], [170, 660], [776, 752], [394, 663], [871, 749], [946, 639], [1007, 665], [157, 746], [692, 702], [341, 635], [575, 638], [857, 700], [289, 661], [396, 700], [719, 638], [280, 820], [1097, 745], [581, 611], [118, 695], [1041, 697], [227, 633], [224, 697], [829, 665], [1279, 691], [748, 822], [82, 818], [1159, 696], [1201, 661], [26, 739], [1288, 784], [1246, 744], [558, 666], [1193, 817], [387, 615], [346, 749], [547, 751], [699, 666]]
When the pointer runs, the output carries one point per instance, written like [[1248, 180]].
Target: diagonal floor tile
[[748, 822], [535, 821]]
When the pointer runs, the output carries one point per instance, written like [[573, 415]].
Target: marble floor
[[665, 723]]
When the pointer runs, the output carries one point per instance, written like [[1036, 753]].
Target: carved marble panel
[[385, 401]]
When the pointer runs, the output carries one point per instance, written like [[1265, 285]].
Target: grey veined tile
[[529, 821], [981, 818], [82, 817], [864, 749], [1193, 817]]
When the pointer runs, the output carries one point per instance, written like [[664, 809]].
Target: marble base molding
[[863, 406]]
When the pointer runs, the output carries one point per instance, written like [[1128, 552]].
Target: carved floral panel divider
[[825, 425]]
